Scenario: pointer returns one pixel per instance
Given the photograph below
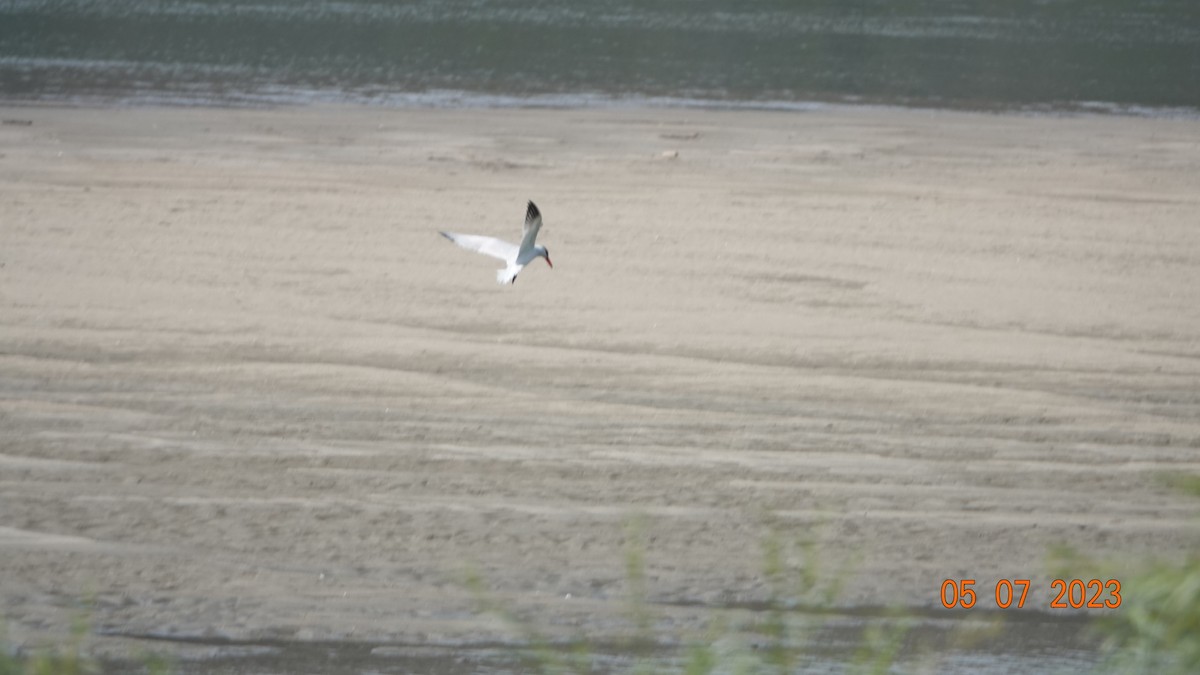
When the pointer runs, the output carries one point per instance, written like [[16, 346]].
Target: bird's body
[[515, 257]]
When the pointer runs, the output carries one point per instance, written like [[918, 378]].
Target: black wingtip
[[445, 235], [532, 212]]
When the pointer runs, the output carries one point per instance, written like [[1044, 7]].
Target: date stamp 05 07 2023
[[1072, 593]]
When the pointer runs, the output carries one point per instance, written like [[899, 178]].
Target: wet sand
[[248, 395]]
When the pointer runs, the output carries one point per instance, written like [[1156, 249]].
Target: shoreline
[[466, 100]]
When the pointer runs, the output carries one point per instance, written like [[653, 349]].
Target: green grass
[[777, 641], [1155, 630], [67, 656], [63, 658], [1157, 627]]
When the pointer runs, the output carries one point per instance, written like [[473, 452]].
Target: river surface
[[1140, 57]]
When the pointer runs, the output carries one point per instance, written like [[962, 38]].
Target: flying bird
[[515, 257]]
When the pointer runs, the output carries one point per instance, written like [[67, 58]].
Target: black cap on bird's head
[[546, 255]]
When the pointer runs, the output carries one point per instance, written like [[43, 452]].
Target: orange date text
[[1012, 593]]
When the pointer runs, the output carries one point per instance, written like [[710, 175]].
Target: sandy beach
[[249, 395]]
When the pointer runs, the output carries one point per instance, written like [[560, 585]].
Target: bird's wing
[[533, 223], [496, 248]]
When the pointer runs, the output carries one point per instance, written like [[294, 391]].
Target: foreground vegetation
[[1156, 630], [787, 634], [65, 658]]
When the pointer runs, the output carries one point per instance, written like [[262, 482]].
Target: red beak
[[548, 261]]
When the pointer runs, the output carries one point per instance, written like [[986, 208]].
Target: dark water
[[1034, 643], [1128, 55]]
